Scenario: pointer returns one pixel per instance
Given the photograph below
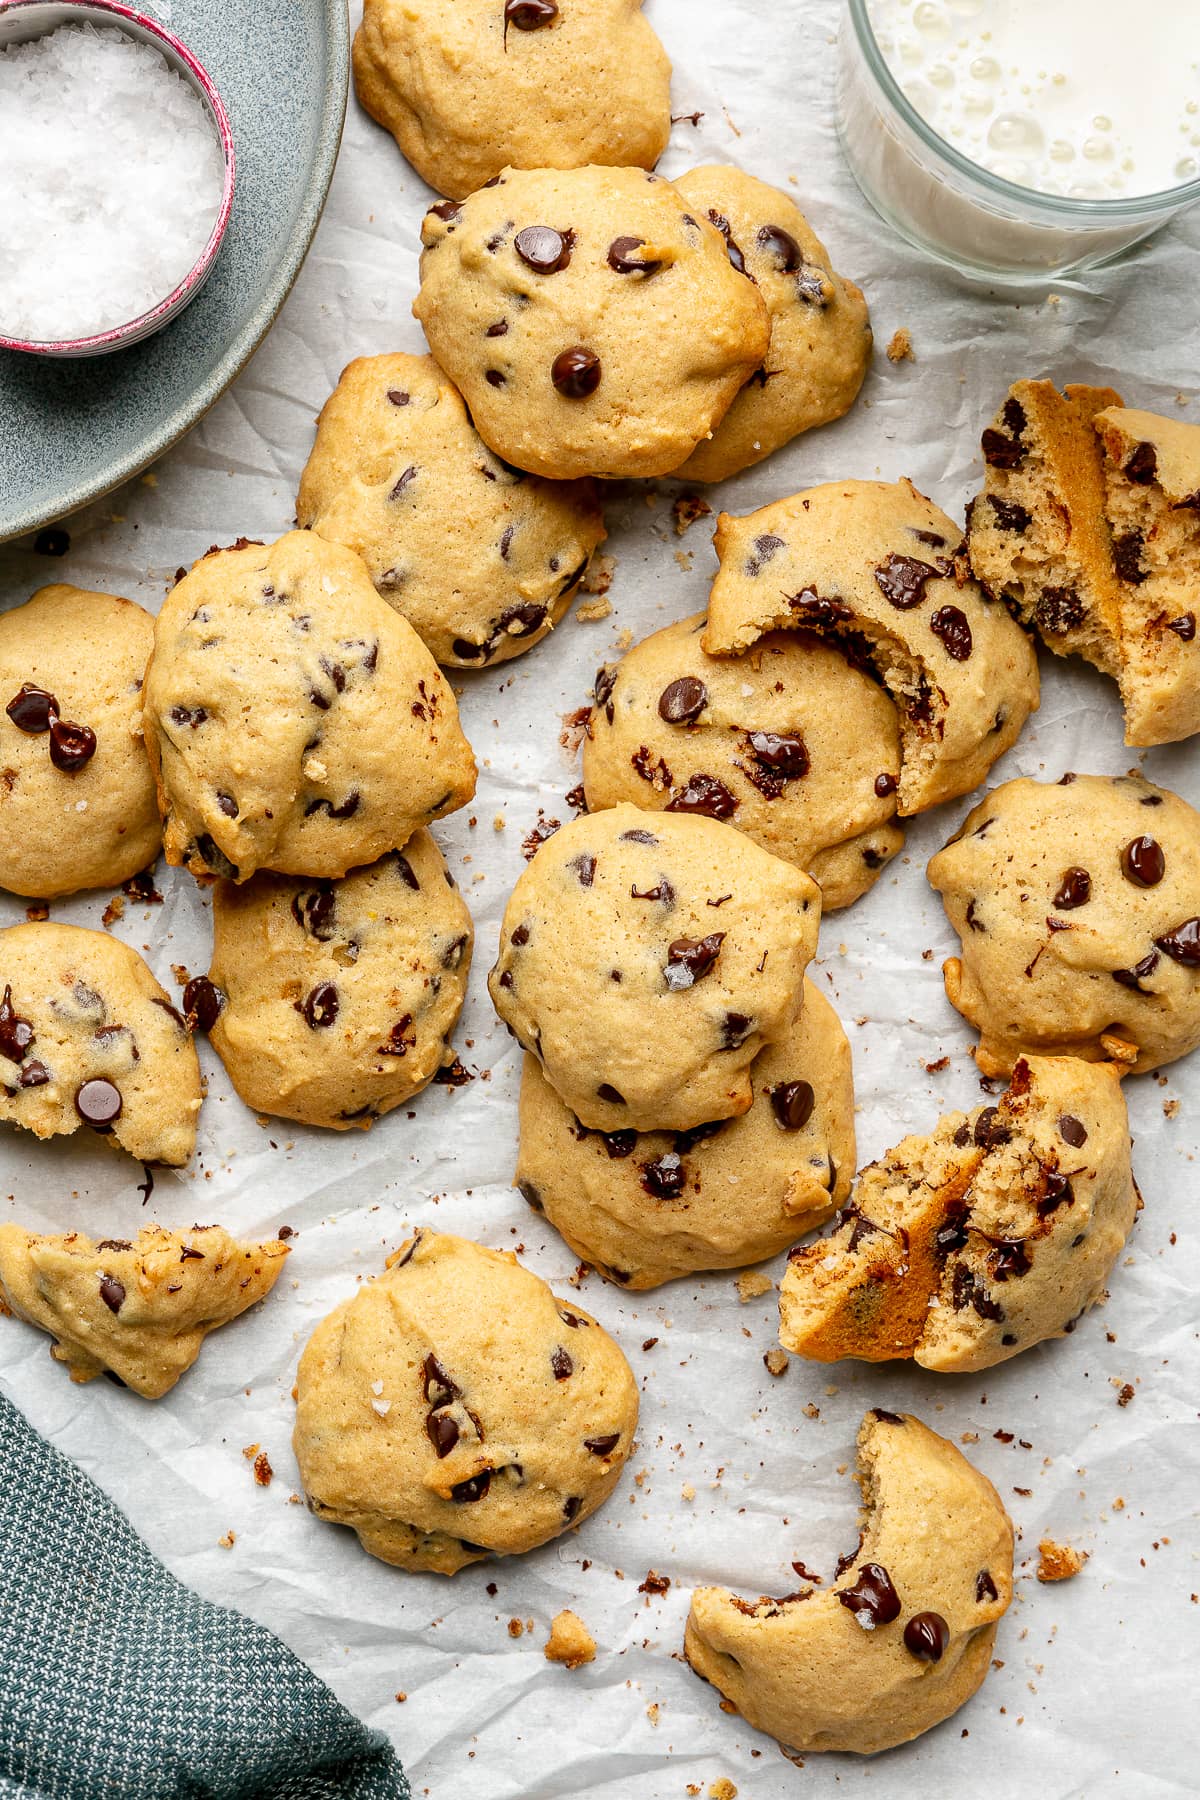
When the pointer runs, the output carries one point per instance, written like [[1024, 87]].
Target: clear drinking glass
[[948, 205]]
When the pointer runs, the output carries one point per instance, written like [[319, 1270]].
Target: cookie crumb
[[570, 1641], [36, 911], [592, 611], [515, 1628], [599, 576], [499, 822], [752, 1284], [113, 911], [900, 349], [401, 1697], [1125, 1391], [228, 1541], [1170, 1109], [776, 1362], [655, 1583], [722, 1790], [686, 509], [1058, 1562], [652, 1712], [263, 1472], [687, 1491]]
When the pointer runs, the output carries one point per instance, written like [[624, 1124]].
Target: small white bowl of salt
[[118, 173]]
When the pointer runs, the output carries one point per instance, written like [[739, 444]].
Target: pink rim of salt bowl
[[118, 337]]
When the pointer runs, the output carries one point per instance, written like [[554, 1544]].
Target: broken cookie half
[[138, 1311], [905, 1635], [993, 1233]]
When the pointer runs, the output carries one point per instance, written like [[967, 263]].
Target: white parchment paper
[[1093, 1695]]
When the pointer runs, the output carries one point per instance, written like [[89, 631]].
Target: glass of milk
[[1022, 138]]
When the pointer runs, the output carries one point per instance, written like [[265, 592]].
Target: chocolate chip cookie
[[591, 318], [468, 88], [645, 960], [77, 805], [455, 1409], [880, 567], [793, 743], [88, 1038], [140, 1311], [993, 1233], [1076, 903], [481, 559], [646, 1207], [903, 1638], [294, 721], [820, 344], [336, 998]]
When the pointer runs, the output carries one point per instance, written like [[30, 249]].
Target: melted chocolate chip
[[33, 1075], [666, 1177], [902, 580], [949, 624], [765, 547], [735, 255], [886, 1418], [1010, 514], [584, 866], [926, 1636], [624, 259], [1127, 557], [445, 210], [572, 1503], [886, 785], [313, 910], [735, 1029], [465, 1493], [1059, 1191], [989, 1130], [98, 1103], [321, 1006], [786, 757], [443, 1432], [1142, 466], [72, 746], [818, 609], [202, 1003], [438, 1388], [985, 1587], [638, 837], [1006, 452], [1132, 978], [690, 959], [16, 1034], [872, 1599], [704, 794], [1059, 609], [191, 716], [529, 15], [1072, 1131], [606, 1091], [682, 701], [1183, 944], [31, 709], [112, 1292], [561, 1363], [1184, 627], [1074, 890], [781, 247], [966, 1291], [792, 1103], [602, 1446], [543, 248], [1008, 1258], [576, 372], [619, 1144], [1143, 862]]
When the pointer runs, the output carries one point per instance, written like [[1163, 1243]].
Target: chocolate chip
[[949, 624], [781, 246], [33, 1075], [638, 837], [765, 547], [529, 15], [704, 794], [902, 580], [1184, 627], [191, 716], [402, 481], [543, 248], [1059, 609], [32, 708], [475, 1488], [818, 609], [1010, 514], [16, 1034], [1059, 1191], [98, 1103], [522, 620], [999, 451], [313, 910], [886, 785], [561, 1363], [887, 1418], [321, 1006], [872, 1599], [1074, 890], [623, 257], [690, 959], [1008, 1258], [520, 935], [72, 746], [619, 1144], [926, 1636], [445, 210], [202, 1003], [666, 1177], [572, 1503], [576, 372], [499, 329], [1072, 1131], [990, 1132], [735, 1029], [584, 866], [494, 378], [1127, 557], [438, 1388], [1132, 978], [443, 1432], [607, 1092], [1183, 944], [682, 701], [1143, 862], [602, 687], [792, 1103], [602, 1446], [966, 1291], [985, 1587], [785, 756], [1142, 465], [112, 1292], [228, 805]]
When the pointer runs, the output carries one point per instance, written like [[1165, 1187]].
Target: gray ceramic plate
[[71, 431]]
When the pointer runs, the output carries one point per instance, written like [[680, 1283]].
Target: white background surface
[[1095, 1695]]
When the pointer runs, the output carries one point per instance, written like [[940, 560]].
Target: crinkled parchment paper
[[736, 1473]]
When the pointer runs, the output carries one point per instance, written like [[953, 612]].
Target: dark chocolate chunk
[[16, 1034], [529, 15], [1127, 557], [98, 1103], [926, 1636], [1183, 944], [398, 487], [1142, 465], [202, 1003], [792, 1103], [949, 624], [1132, 978], [606, 1091], [33, 1074], [682, 701], [985, 1587], [475, 1488], [1059, 1191], [765, 547], [1072, 1131], [313, 910], [576, 372], [786, 757], [666, 1177], [1010, 514], [886, 1418], [704, 794], [624, 259], [437, 1386], [735, 1029], [561, 1363], [602, 1446], [443, 1432], [1143, 862], [572, 1503], [1075, 889], [690, 959], [781, 246], [584, 866], [72, 746], [1184, 627], [321, 1006], [1059, 609], [31, 709], [902, 580], [872, 1599], [112, 1292], [990, 1131], [885, 785], [735, 254], [445, 210], [543, 248]]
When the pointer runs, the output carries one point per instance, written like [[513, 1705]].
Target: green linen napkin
[[118, 1683]]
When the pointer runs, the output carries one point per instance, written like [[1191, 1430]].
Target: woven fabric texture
[[118, 1683]]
